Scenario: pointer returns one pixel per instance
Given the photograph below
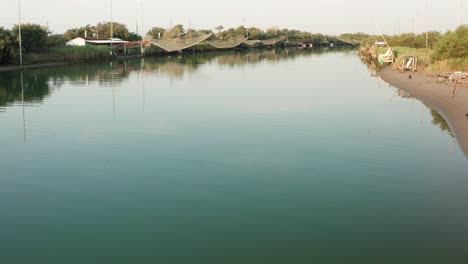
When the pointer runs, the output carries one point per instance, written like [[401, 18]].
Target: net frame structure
[[226, 44], [266, 42], [179, 44], [182, 43]]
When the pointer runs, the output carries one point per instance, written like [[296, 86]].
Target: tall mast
[[142, 19], [427, 24], [19, 34], [112, 28]]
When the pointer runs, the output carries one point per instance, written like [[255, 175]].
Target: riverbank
[[438, 96], [148, 53], [31, 66]]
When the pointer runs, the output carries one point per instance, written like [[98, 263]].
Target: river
[[270, 156]]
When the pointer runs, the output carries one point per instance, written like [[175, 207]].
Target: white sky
[[318, 16]]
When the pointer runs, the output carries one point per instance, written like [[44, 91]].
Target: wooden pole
[[112, 30], [142, 20], [460, 13], [19, 34], [427, 24]]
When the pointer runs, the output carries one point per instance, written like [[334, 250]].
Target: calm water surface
[[283, 156]]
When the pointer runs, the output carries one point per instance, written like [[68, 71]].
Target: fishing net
[[252, 43], [178, 44], [266, 42], [226, 44], [271, 42]]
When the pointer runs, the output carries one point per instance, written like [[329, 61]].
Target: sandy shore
[[437, 96]]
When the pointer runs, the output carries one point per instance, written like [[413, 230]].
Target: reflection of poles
[[24, 115], [421, 120], [19, 34], [143, 80], [113, 90]]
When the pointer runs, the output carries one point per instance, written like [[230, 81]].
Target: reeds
[[67, 53]]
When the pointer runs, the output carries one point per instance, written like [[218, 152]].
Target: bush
[[452, 45], [34, 37], [56, 40], [7, 45]]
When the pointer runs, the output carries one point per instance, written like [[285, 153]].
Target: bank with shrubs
[[447, 52]]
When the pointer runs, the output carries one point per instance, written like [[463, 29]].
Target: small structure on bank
[[409, 63], [380, 44], [387, 57], [79, 42]]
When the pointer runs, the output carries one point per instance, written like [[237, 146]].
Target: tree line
[[449, 45], [37, 39]]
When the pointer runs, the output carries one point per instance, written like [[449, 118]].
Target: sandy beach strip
[[437, 96]]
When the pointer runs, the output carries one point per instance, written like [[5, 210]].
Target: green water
[[283, 156]]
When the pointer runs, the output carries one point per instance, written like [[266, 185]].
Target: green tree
[[79, 32], [273, 32], [256, 33], [176, 31], [452, 45], [119, 30], [56, 40], [132, 36], [219, 28], [156, 32], [34, 37], [7, 45]]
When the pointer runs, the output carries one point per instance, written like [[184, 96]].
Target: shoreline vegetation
[[439, 79], [444, 53], [39, 46]]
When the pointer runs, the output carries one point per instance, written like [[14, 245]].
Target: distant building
[[380, 44], [105, 42], [76, 42]]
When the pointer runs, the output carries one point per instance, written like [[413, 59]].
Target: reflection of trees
[[38, 83], [36, 87], [438, 120]]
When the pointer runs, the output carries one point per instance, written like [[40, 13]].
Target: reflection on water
[[36, 84], [438, 120], [403, 94], [39, 83]]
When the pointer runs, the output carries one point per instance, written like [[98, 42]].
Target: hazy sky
[[324, 16]]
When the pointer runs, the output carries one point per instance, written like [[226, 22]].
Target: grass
[[427, 64], [68, 53], [448, 65]]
